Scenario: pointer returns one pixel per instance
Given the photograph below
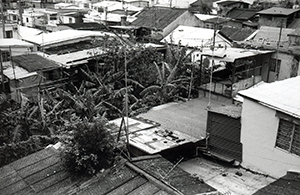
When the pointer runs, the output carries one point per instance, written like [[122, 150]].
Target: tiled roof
[[242, 14], [157, 17], [34, 62], [288, 184], [280, 95], [278, 11], [237, 34]]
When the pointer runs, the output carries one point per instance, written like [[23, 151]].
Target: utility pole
[[21, 13], [278, 44], [2, 75], [3, 21]]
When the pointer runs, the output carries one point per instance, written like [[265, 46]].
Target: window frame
[[293, 125]]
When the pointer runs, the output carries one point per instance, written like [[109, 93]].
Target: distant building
[[164, 20], [277, 17], [270, 131], [11, 30]]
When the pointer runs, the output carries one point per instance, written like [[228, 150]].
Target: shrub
[[91, 149]]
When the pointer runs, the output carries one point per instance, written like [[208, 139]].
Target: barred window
[[288, 136]]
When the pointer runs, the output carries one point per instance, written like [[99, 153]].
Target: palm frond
[[17, 133], [149, 89], [136, 83], [160, 77]]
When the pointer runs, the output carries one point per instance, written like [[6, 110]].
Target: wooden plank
[[145, 189], [9, 180], [27, 190], [50, 180], [14, 188], [38, 166], [6, 171], [58, 187], [33, 158], [129, 186], [45, 173]]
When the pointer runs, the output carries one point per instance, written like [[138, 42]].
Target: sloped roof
[[157, 17], [288, 184], [204, 17], [14, 43], [45, 39], [242, 14], [17, 73], [270, 35], [282, 95], [34, 62], [237, 34], [85, 26], [193, 36], [228, 110], [44, 173], [234, 1], [278, 11]]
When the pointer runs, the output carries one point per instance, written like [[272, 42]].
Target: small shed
[[224, 133]]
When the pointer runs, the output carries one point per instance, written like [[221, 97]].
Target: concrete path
[[188, 117]]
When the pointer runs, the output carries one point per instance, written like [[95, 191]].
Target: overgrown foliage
[[91, 148]]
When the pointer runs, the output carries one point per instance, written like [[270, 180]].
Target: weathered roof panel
[[157, 17], [34, 62], [278, 11], [283, 95]]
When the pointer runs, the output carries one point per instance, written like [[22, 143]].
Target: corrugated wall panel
[[224, 136]]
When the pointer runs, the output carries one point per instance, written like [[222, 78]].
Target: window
[[273, 65], [288, 135], [9, 34]]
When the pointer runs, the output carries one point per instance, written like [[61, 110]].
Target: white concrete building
[[270, 131]]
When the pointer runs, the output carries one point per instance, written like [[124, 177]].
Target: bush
[[91, 149]]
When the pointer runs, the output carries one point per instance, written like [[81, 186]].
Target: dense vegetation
[[75, 114]]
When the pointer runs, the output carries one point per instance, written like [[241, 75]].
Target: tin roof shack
[[288, 184], [223, 132], [270, 131], [234, 69], [277, 17], [147, 137], [285, 61], [32, 71], [164, 20]]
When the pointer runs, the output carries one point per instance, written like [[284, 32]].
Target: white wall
[[258, 136]]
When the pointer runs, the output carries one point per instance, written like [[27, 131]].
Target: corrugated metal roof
[[232, 54], [191, 36], [242, 14], [157, 17], [45, 39], [279, 95], [34, 62], [234, 1], [17, 73], [278, 11], [270, 35], [237, 34], [14, 43]]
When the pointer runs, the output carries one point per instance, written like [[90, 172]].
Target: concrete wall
[[272, 21], [258, 136], [285, 71]]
